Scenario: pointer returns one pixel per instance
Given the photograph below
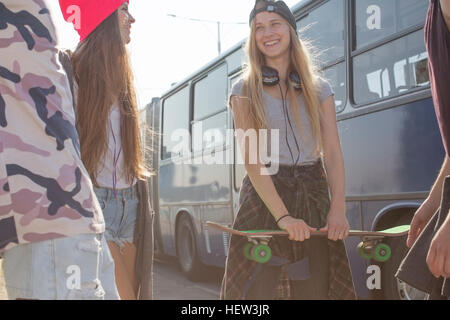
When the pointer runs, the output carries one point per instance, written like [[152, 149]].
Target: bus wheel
[[393, 288], [187, 250]]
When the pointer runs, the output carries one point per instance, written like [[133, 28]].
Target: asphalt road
[[170, 283]]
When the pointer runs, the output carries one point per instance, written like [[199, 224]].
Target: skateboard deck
[[371, 246]]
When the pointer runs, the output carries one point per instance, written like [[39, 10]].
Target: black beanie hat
[[279, 7]]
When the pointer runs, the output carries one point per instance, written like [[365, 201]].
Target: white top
[[111, 166]]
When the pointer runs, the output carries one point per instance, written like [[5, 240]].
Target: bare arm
[[434, 198], [263, 184], [438, 258], [334, 161], [429, 206], [334, 164], [445, 7]]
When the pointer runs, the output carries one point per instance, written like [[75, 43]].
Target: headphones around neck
[[270, 77]]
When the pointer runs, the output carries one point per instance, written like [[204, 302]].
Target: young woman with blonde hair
[[108, 125], [281, 90]]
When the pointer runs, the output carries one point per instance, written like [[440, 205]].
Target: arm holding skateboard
[[298, 230], [337, 224]]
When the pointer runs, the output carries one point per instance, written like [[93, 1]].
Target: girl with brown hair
[[108, 125], [308, 191]]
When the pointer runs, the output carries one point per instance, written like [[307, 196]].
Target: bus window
[[336, 75], [236, 60], [210, 133], [324, 28], [390, 70], [210, 93], [376, 20], [175, 117]]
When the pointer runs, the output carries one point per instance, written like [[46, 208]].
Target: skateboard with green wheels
[[371, 246]]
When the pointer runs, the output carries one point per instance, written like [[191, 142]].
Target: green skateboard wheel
[[261, 253], [247, 250], [382, 252], [362, 252]]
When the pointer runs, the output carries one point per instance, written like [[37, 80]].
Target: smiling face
[[272, 35], [125, 21]]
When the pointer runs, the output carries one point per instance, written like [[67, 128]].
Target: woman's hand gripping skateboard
[[337, 227]]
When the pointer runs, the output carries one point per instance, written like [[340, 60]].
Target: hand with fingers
[[337, 226], [438, 258], [298, 229], [418, 223]]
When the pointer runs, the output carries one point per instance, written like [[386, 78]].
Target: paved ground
[[170, 284]]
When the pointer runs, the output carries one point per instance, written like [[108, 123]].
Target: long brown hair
[[103, 73], [300, 61]]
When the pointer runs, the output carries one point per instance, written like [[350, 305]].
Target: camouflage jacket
[[45, 191]]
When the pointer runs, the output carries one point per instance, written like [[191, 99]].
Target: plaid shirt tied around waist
[[304, 191]]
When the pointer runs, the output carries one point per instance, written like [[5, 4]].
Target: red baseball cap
[[86, 15]]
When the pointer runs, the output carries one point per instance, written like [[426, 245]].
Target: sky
[[165, 50]]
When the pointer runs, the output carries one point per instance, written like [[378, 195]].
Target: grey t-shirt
[[277, 120]]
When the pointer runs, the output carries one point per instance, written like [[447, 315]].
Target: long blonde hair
[[103, 73], [300, 61]]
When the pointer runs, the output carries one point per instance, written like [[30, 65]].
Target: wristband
[[282, 218]]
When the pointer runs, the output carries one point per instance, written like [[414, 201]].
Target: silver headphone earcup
[[269, 76], [295, 80]]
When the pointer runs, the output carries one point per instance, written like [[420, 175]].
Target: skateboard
[[371, 246]]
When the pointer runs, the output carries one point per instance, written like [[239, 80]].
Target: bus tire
[[393, 288], [187, 252]]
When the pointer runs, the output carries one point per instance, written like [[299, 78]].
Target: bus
[[373, 54]]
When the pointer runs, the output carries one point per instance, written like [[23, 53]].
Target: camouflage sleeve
[[45, 191]]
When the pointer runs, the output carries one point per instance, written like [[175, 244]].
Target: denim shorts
[[120, 211], [72, 268]]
